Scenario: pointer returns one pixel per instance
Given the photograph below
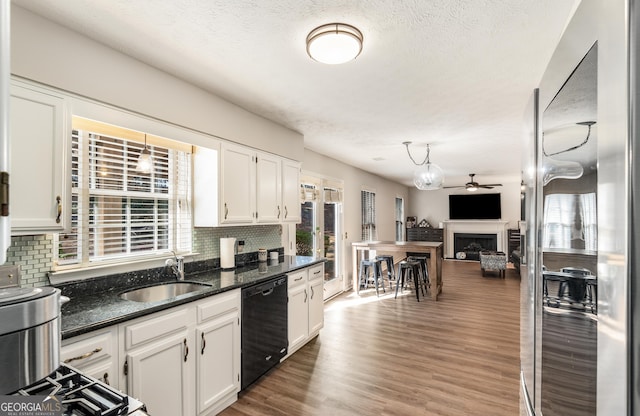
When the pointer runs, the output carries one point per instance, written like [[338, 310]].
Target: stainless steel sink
[[163, 291]]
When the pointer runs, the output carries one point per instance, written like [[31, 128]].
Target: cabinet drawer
[[88, 349], [156, 328], [316, 272], [296, 278], [217, 305]]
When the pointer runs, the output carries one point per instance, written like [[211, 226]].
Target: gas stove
[[81, 395]]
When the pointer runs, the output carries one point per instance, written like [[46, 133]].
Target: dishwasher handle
[[267, 292]]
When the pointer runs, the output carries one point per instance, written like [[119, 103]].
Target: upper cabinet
[[40, 201], [237, 184], [254, 187], [291, 191]]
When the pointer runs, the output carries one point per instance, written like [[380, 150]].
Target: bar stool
[[363, 275], [424, 270], [391, 272], [408, 270]]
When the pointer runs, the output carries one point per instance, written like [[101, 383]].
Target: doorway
[[319, 234]]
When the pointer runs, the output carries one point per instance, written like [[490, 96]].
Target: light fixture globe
[[334, 43], [428, 177]]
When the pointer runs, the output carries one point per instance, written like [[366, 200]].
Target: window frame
[[179, 221]]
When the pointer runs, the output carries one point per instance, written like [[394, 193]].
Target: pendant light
[[145, 161], [334, 43], [427, 176]]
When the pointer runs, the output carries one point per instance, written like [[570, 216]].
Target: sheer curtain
[[570, 221]]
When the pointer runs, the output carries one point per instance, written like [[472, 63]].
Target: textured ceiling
[[453, 73]]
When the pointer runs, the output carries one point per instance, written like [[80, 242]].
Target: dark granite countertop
[[89, 310]]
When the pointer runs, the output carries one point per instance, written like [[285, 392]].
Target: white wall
[[434, 205], [48, 53], [355, 180]]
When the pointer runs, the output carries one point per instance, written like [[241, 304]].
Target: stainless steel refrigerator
[[579, 294]]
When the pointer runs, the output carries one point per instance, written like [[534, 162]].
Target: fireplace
[[493, 227], [472, 243]]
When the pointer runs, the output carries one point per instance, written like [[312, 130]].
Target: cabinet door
[[39, 200], [237, 185], [161, 374], [218, 360], [291, 191], [269, 189], [298, 312], [316, 305]]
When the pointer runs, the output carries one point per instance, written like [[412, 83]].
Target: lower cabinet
[[95, 354], [182, 361], [161, 375], [306, 305]]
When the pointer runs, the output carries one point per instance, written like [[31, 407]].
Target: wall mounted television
[[475, 207]]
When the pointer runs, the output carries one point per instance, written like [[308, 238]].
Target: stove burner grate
[[80, 395]]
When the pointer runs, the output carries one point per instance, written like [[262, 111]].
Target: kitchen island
[[399, 250]]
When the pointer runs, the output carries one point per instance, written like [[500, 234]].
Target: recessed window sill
[[71, 275]]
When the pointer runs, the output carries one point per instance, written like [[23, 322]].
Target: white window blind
[[118, 212], [368, 200]]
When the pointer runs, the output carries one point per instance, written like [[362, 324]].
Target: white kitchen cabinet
[[237, 184], [159, 360], [306, 305], [40, 199], [298, 310], [255, 188], [161, 375], [316, 299], [185, 360], [218, 356], [95, 354], [268, 188], [290, 191]]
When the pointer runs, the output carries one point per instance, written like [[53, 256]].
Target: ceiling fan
[[473, 186]]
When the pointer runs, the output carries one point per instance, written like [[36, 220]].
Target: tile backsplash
[[34, 253]]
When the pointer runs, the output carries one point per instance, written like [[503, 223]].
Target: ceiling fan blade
[[491, 184], [452, 187], [485, 186]]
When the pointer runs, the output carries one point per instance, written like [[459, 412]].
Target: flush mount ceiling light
[[427, 176], [145, 161], [334, 43]]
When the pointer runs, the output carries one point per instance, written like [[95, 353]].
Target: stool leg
[[416, 282], [399, 280], [375, 277]]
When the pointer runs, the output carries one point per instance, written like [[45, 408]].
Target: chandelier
[[427, 176]]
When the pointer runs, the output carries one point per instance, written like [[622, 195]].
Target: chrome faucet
[[177, 266]]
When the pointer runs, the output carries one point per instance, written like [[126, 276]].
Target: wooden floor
[[384, 356]]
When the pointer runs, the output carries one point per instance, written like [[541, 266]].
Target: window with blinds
[[368, 200], [117, 212], [570, 221]]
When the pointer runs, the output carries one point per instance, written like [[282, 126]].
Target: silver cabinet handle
[[305, 296], [59, 202], [226, 211], [204, 344], [298, 279], [278, 211], [286, 212], [83, 356], [186, 350], [105, 378]]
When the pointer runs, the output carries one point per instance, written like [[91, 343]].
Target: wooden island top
[[399, 250]]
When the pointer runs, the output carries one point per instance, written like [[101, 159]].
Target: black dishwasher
[[264, 328]]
